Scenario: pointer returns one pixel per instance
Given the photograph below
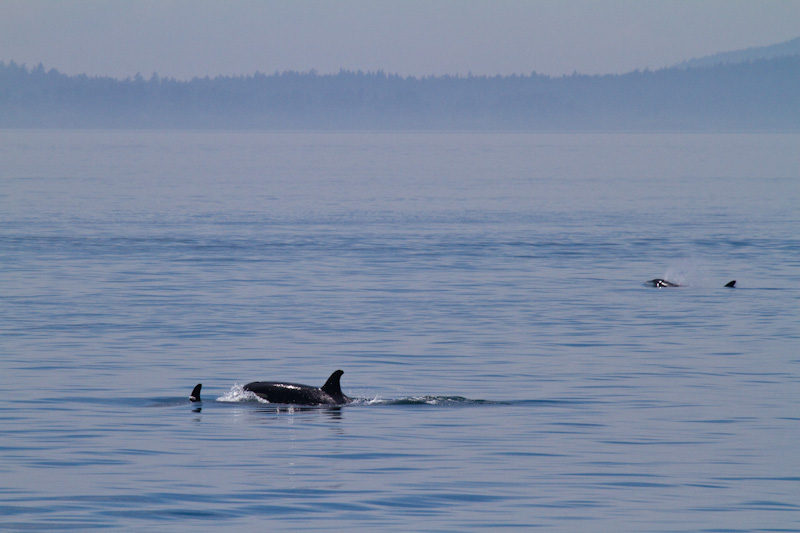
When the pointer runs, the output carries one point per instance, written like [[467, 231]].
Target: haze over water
[[484, 294]]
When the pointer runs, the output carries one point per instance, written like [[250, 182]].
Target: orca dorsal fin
[[731, 284], [195, 395], [332, 387]]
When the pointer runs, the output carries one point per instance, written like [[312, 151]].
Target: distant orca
[[658, 282], [293, 393]]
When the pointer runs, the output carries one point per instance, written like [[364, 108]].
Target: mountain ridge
[[783, 49]]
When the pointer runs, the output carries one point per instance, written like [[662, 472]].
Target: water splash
[[428, 400], [238, 394]]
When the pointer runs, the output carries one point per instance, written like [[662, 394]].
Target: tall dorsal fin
[[731, 284], [195, 396], [332, 387]]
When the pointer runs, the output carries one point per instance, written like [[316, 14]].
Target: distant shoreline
[[753, 96]]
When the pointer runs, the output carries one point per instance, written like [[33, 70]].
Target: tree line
[[761, 95]]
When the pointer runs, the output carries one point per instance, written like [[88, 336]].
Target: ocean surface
[[484, 294]]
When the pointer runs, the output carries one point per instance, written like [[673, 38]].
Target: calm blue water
[[484, 294]]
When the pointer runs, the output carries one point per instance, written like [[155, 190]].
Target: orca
[[195, 395], [293, 393], [658, 282]]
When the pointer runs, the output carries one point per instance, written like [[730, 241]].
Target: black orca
[[293, 393], [658, 282], [195, 395]]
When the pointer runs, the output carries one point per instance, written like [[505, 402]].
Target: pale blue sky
[[186, 38]]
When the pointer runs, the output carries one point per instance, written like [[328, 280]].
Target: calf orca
[[658, 282], [293, 393]]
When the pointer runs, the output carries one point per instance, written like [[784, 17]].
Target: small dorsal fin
[[195, 396], [332, 387], [731, 284]]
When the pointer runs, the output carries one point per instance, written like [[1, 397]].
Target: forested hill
[[760, 95], [786, 48]]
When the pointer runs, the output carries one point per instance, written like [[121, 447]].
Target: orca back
[[658, 282], [295, 393]]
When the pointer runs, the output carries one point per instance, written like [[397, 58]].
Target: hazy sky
[[187, 38]]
